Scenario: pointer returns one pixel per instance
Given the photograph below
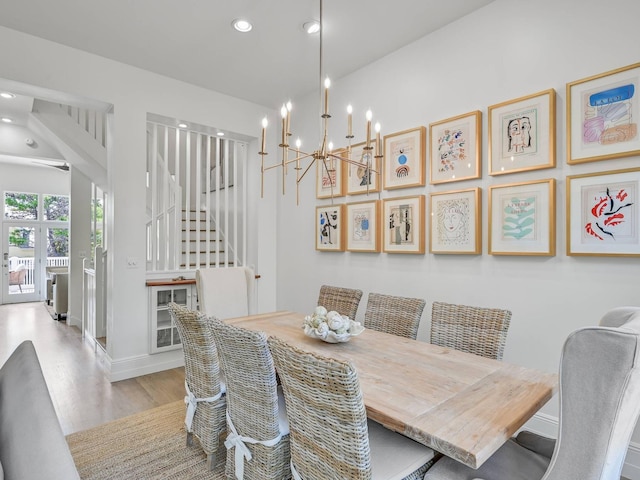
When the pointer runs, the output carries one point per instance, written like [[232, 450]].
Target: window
[[56, 207], [20, 206]]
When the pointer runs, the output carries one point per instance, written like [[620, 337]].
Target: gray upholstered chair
[[396, 315], [226, 292], [205, 399], [330, 437], [258, 431], [599, 406], [345, 301], [477, 330]]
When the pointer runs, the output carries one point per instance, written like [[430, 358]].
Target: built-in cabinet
[[164, 334]]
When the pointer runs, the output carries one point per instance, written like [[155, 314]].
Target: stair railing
[[93, 122], [192, 172]]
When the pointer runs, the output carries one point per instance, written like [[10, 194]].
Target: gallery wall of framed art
[[521, 214]]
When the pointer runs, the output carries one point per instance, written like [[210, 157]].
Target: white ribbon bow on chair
[[242, 451], [192, 404]]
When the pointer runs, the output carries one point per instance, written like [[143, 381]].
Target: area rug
[[146, 446]]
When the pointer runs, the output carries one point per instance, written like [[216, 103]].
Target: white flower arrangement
[[330, 326]]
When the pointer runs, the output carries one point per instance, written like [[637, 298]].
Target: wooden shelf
[[169, 282]]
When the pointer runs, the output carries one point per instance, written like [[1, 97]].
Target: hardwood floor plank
[[75, 374]]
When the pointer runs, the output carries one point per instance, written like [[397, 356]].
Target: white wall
[[506, 50], [133, 93]]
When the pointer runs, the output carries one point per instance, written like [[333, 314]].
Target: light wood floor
[[74, 371]]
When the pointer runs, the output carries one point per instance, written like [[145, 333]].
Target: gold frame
[[472, 247], [535, 160], [545, 244], [417, 247], [375, 166], [339, 189], [351, 243], [418, 135], [575, 125], [476, 149], [339, 246], [616, 201]]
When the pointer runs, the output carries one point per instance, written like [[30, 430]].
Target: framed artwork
[[456, 225], [329, 228], [603, 215], [522, 134], [363, 176], [602, 116], [522, 218], [403, 220], [455, 148], [330, 176], [404, 159], [363, 230]]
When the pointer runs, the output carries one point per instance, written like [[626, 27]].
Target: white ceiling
[[192, 40]]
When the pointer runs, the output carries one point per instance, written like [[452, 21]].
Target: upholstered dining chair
[[226, 292], [345, 301], [482, 331], [599, 407], [258, 431], [205, 399], [330, 437], [396, 315]]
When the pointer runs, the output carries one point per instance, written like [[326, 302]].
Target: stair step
[[204, 264]]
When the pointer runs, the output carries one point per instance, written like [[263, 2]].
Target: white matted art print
[[603, 217], [404, 159], [363, 170], [456, 222], [363, 229], [522, 218], [403, 220], [329, 228], [455, 148], [522, 134]]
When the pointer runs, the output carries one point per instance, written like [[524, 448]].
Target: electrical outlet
[[132, 262]]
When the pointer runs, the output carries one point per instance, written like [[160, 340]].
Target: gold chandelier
[[325, 152]]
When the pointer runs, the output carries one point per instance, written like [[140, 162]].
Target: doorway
[[35, 235]]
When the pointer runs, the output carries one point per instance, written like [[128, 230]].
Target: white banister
[[196, 212]]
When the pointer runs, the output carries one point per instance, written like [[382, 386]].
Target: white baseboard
[[72, 320], [547, 425], [131, 367]]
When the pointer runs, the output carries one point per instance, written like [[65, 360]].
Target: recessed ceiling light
[[220, 134], [182, 125], [242, 25], [311, 27], [7, 95], [7, 120]]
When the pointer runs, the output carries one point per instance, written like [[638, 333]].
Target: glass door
[[21, 265]]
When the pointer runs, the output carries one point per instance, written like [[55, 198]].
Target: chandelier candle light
[[324, 152]]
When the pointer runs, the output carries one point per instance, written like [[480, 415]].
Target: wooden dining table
[[457, 403]]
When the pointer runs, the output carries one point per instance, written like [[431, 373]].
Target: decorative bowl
[[331, 327]]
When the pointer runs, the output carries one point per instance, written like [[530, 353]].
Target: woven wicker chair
[[331, 438], [482, 331], [345, 301], [255, 410], [205, 398], [396, 315]]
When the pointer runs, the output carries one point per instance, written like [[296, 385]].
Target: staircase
[[196, 200], [78, 134], [201, 247]]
